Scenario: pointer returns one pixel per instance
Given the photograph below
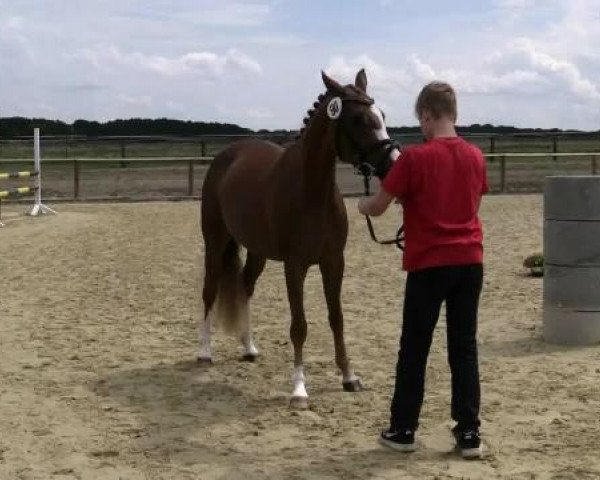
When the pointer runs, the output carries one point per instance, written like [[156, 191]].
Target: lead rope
[[366, 171]]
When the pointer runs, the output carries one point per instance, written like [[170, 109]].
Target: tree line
[[20, 126]]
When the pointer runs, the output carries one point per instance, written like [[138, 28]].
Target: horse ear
[[361, 80], [331, 84]]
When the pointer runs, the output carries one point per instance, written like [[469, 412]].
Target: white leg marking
[[204, 336], [298, 379], [249, 347]]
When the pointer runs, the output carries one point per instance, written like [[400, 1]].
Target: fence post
[[594, 165], [122, 149], [191, 178], [203, 148], [554, 147], [66, 146], [492, 144], [503, 173], [75, 179]]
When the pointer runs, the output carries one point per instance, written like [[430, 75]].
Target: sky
[[257, 63]]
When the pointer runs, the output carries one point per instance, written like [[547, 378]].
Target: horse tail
[[231, 298]]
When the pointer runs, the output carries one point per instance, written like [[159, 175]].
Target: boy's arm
[[375, 205], [395, 185], [484, 181]]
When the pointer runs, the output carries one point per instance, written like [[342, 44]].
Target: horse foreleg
[[332, 271], [252, 269], [295, 275]]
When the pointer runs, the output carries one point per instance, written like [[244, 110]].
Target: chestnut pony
[[284, 204]]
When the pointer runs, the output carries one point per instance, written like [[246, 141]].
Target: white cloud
[[416, 73], [242, 61], [262, 58], [518, 75], [479, 81], [205, 63], [564, 75], [422, 71], [380, 77]]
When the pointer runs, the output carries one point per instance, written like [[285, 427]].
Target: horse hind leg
[[212, 274], [252, 270], [216, 239], [225, 301]]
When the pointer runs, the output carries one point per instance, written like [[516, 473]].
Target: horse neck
[[318, 155]]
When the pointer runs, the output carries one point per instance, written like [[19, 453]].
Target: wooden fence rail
[[508, 172]]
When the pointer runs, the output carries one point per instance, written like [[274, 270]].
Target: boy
[[439, 184]]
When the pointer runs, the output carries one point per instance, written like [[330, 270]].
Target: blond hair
[[439, 99]]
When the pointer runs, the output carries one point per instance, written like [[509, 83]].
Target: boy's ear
[[425, 115]]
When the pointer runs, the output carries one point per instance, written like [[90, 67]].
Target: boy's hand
[[363, 203], [375, 205]]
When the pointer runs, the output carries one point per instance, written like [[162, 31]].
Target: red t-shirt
[[440, 184]]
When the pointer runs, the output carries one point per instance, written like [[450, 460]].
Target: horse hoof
[[248, 357], [352, 386], [205, 360], [299, 403]]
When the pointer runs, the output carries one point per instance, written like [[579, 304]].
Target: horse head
[[361, 136]]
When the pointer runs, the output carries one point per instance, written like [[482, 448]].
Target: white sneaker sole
[[399, 447], [471, 453]]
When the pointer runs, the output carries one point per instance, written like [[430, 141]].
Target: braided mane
[[309, 114]]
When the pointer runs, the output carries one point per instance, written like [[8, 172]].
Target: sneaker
[[468, 442], [402, 440]]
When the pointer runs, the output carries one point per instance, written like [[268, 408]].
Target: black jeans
[[460, 287]]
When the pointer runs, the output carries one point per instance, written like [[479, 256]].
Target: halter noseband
[[381, 164], [367, 168]]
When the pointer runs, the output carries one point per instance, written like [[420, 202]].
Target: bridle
[[378, 166], [366, 170]]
